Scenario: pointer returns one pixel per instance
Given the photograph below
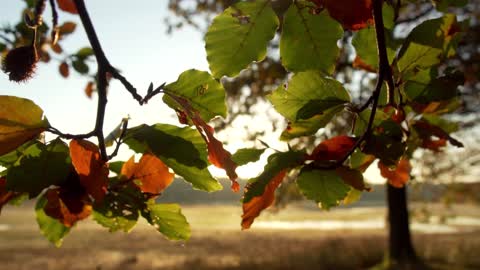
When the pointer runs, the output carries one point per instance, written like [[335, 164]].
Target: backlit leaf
[[151, 174], [277, 163], [305, 92], [426, 130], [247, 155], [67, 28], [367, 54], [169, 220], [257, 204], [352, 177], [67, 206], [51, 228], [203, 92], [92, 170], [40, 167], [352, 14], [181, 149], [217, 155], [68, 6], [239, 36], [21, 120], [309, 41], [397, 176], [325, 187], [429, 43], [333, 149]]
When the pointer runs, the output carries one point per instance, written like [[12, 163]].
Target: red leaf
[[64, 70], [256, 205], [152, 173], [399, 176], [66, 207], [92, 170], [68, 6], [352, 14], [5, 195], [217, 155], [434, 145], [333, 149], [89, 89]]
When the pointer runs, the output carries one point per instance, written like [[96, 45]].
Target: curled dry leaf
[[398, 176], [352, 14], [151, 174], [217, 155], [92, 170], [68, 6], [256, 205], [89, 89]]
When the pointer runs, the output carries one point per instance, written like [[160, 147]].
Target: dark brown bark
[[401, 254]]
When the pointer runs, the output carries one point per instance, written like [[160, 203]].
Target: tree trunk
[[401, 254]]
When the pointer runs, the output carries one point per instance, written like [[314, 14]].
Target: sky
[[135, 41]]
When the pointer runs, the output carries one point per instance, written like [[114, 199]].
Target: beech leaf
[[333, 149], [352, 14], [21, 120], [257, 204], [169, 220], [151, 173], [51, 228], [67, 206], [92, 170], [397, 176]]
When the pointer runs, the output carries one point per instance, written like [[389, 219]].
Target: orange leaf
[[217, 155], [333, 149], [150, 171], [64, 207], [92, 170], [399, 176], [5, 195], [64, 70], [256, 205], [352, 14], [68, 6], [359, 63]]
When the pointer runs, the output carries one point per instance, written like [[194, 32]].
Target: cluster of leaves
[[73, 182], [405, 116]]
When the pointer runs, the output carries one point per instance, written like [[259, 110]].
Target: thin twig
[[120, 139]]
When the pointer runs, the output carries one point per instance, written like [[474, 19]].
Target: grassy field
[[218, 243]]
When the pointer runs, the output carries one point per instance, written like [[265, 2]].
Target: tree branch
[[103, 68], [384, 74]]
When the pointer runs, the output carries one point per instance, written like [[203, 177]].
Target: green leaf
[[363, 40], [51, 228], [309, 41], [239, 36], [84, 53], [204, 93], [119, 211], [443, 5], [325, 187], [361, 122], [309, 94], [116, 166], [438, 121], [353, 196], [2, 47], [80, 66], [428, 43], [181, 149], [247, 155], [41, 167], [10, 158], [21, 120], [386, 145], [276, 163], [169, 220], [425, 86]]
